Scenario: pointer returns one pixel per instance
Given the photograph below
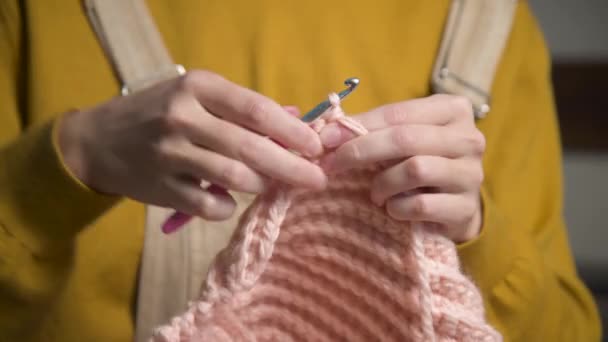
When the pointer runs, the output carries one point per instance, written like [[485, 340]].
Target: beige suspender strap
[[128, 35], [171, 266], [474, 38]]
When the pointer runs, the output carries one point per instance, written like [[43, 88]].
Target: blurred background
[[577, 34]]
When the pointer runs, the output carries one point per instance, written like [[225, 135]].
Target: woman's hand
[[435, 152], [156, 146]]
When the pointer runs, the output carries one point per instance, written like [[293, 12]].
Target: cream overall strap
[[473, 41], [172, 267]]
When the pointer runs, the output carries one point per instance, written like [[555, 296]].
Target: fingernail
[[314, 148], [293, 110], [327, 163], [175, 222], [431, 226], [321, 181], [376, 199], [331, 136], [216, 189]]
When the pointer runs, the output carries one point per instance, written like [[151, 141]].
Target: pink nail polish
[[175, 222], [216, 190]]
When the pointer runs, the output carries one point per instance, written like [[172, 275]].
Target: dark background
[[577, 34]]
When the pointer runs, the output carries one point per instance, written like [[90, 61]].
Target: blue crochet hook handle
[[319, 109], [179, 219]]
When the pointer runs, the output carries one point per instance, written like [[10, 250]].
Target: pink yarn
[[331, 266]]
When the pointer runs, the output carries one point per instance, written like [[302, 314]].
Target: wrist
[[70, 146]]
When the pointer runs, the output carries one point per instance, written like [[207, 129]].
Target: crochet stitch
[[331, 266]]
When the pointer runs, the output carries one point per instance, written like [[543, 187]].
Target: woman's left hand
[[437, 152]]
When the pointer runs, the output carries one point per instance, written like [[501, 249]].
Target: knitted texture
[[331, 266]]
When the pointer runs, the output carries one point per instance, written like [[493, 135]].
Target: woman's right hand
[[157, 145]]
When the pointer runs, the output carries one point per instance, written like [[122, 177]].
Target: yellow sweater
[[69, 256]]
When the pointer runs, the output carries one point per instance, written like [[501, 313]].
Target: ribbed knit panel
[[332, 266]]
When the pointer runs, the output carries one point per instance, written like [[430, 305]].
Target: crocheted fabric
[[331, 266]]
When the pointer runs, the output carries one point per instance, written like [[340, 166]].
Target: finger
[[447, 175], [293, 110], [334, 135], [439, 109], [255, 151], [252, 110], [215, 168], [175, 222], [189, 198], [179, 219], [404, 141], [451, 210]]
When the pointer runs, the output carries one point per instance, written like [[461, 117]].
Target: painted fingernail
[[216, 189], [331, 136], [175, 222]]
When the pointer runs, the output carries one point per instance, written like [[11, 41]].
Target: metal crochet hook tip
[[352, 84], [316, 112]]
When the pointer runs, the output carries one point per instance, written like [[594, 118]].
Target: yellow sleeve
[[42, 207], [522, 260]]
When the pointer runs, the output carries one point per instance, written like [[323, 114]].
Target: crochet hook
[[178, 219], [319, 109]]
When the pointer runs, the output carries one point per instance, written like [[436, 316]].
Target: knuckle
[[477, 141], [169, 151], [189, 80], [478, 175], [468, 212], [462, 105], [472, 206], [195, 78], [352, 153], [420, 207], [402, 137], [257, 112], [415, 170], [394, 114], [177, 117], [248, 148], [176, 103], [380, 184], [440, 97], [232, 175], [201, 204], [165, 149]]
